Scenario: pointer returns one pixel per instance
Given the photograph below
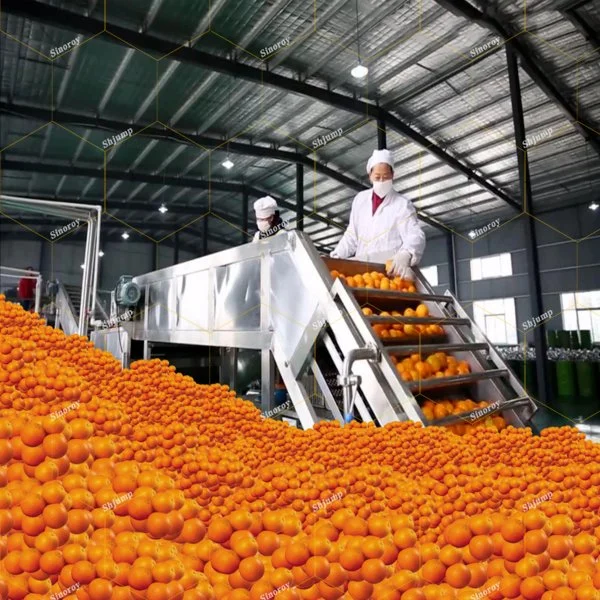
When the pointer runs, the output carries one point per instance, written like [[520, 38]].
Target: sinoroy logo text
[[58, 50], [264, 52]]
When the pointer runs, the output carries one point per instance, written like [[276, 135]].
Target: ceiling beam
[[583, 26], [64, 19], [462, 8]]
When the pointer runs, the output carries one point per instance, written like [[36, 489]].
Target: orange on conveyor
[[151, 486]]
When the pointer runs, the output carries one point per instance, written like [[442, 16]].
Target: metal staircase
[[278, 297]]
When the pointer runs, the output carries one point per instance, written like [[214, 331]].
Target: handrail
[[92, 214], [65, 313], [26, 274]]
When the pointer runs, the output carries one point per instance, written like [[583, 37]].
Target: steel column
[[244, 222], [300, 197], [451, 252], [533, 267], [381, 134], [205, 236]]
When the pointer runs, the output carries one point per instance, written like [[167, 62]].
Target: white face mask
[[263, 225], [382, 188]]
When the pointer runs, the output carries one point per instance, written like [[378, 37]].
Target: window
[[581, 310], [488, 267], [431, 274], [497, 319]]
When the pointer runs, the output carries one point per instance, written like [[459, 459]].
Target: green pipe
[[565, 379], [586, 379]]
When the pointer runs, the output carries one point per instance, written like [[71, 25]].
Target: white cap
[[380, 156], [265, 207]]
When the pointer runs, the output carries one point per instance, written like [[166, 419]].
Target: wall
[[565, 265]]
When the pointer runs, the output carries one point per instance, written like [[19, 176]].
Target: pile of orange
[[433, 410], [404, 330], [439, 364], [376, 280], [139, 483]]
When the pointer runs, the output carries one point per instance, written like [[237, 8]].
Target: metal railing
[[18, 274], [92, 215]]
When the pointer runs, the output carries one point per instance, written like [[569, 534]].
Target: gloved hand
[[400, 265], [334, 254]]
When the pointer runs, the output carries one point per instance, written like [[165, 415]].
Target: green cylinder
[[566, 384], [574, 340], [586, 379], [529, 377], [586, 338], [564, 340], [552, 341]]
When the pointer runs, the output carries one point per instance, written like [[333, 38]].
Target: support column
[[176, 249], [381, 134], [155, 257], [244, 223], [205, 236], [299, 197], [532, 257], [452, 271]]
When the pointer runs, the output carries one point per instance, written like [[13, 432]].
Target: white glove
[[334, 254], [400, 266]]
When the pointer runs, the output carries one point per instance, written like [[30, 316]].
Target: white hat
[[265, 207], [380, 156]]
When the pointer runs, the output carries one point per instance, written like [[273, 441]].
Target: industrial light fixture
[[82, 266], [163, 209], [227, 163], [125, 235], [359, 71], [100, 254], [593, 206]]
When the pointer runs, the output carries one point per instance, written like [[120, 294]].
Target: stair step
[[442, 382], [419, 320], [369, 294], [424, 349]]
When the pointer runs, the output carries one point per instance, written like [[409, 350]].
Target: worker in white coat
[[383, 223], [268, 220]]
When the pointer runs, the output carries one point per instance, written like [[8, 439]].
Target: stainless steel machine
[[278, 297]]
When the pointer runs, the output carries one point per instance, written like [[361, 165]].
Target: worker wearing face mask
[[383, 223], [268, 221]]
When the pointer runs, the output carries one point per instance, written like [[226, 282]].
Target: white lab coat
[[377, 237]]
